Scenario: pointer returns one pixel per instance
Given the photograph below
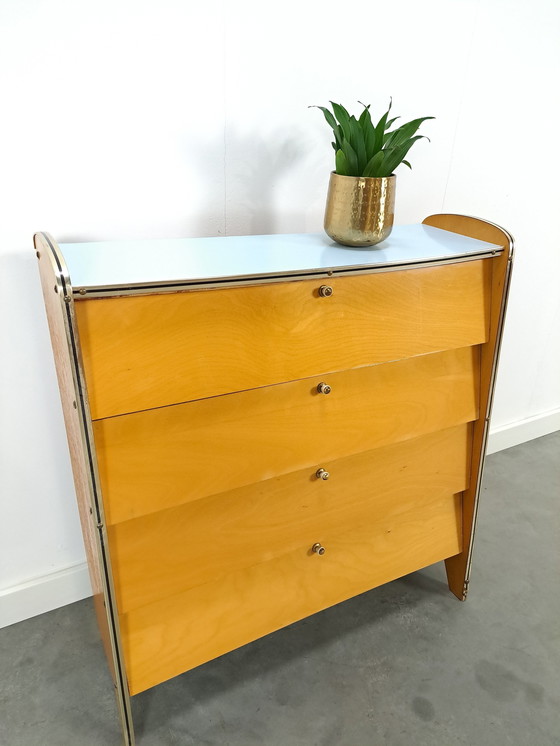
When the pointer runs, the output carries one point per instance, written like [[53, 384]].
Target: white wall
[[130, 118]]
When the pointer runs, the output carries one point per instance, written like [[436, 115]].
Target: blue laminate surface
[[174, 260]]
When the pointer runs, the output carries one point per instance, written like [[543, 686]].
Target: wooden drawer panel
[[153, 460], [165, 553], [166, 638], [149, 351]]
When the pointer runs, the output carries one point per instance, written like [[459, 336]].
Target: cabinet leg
[[456, 569], [123, 703]]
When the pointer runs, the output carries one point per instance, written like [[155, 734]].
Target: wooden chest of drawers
[[262, 427]]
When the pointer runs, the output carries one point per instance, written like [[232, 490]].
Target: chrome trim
[[487, 414], [65, 294], [493, 374], [114, 291]]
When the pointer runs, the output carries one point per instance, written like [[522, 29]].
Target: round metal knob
[[322, 474], [325, 291], [318, 549], [324, 388]]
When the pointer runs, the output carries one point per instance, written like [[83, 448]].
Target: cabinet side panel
[[458, 568], [57, 295], [53, 294]]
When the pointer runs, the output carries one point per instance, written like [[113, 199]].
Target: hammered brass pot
[[360, 209]]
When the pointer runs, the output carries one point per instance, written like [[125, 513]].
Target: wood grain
[[153, 460], [165, 553], [53, 294], [150, 351], [164, 639], [457, 567]]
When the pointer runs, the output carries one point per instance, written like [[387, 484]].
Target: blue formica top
[[172, 261]]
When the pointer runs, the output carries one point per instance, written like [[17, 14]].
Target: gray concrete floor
[[403, 664]]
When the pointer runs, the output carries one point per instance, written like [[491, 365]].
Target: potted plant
[[361, 197]]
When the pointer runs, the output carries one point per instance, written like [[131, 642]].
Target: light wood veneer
[[170, 551], [150, 351], [156, 459], [196, 433], [166, 638]]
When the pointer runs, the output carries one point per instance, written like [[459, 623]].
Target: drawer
[[153, 460], [142, 352], [166, 638], [165, 553]]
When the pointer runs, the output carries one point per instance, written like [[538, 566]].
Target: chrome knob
[[322, 474], [324, 388], [318, 549], [325, 291]]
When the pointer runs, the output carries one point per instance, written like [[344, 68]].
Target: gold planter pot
[[360, 209]]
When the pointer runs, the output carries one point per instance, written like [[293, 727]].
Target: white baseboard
[[45, 593], [515, 433], [72, 583]]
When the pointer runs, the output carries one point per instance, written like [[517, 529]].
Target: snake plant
[[366, 149]]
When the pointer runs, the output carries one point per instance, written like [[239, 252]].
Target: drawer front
[[166, 553], [150, 461], [169, 637], [150, 351]]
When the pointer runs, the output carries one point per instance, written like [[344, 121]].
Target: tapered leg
[[456, 567]]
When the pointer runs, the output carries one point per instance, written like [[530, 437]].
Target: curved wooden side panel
[[57, 293], [458, 568]]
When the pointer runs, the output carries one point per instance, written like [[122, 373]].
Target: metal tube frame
[[493, 375]]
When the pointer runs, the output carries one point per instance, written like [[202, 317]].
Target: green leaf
[[343, 117], [341, 164], [339, 136], [365, 121], [368, 131], [365, 115], [380, 129], [405, 131], [351, 159], [395, 156], [328, 115], [369, 138], [387, 137], [332, 122], [364, 149], [358, 143], [374, 164]]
